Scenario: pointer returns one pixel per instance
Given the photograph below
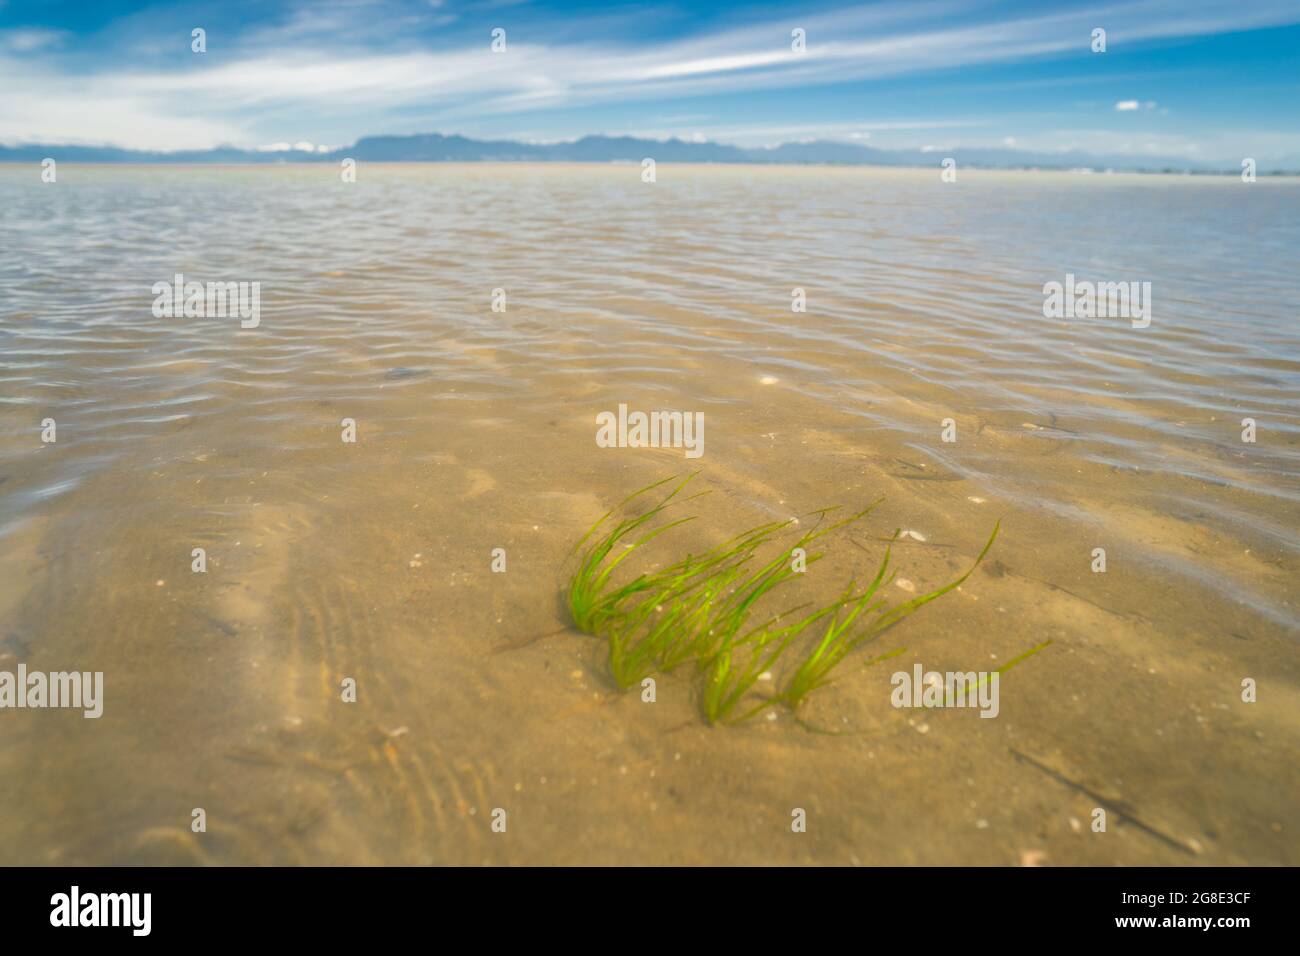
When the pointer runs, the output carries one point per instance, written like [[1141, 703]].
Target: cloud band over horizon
[[1193, 79]]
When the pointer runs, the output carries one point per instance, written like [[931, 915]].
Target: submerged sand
[[476, 430]]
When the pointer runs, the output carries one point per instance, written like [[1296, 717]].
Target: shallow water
[[476, 430]]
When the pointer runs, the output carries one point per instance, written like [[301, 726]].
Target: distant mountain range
[[437, 148]]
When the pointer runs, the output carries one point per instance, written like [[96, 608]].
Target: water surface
[[476, 430]]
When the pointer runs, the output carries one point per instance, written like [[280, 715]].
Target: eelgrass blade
[[895, 615], [815, 671], [699, 606]]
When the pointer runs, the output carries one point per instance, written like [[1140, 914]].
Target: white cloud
[[775, 134], [316, 79], [29, 40], [75, 110], [302, 146]]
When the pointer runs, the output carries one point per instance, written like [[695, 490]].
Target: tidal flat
[[372, 561]]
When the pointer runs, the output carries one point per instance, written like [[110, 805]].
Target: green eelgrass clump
[[698, 608]]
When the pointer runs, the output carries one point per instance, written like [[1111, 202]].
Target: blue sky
[[1184, 78]]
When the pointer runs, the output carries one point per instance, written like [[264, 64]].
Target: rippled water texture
[[476, 430]]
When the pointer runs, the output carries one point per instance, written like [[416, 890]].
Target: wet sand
[[476, 429]]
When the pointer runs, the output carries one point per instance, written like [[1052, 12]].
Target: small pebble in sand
[[766, 675], [906, 585], [1033, 858], [768, 380], [771, 715], [1076, 824], [914, 535], [981, 824], [977, 500], [159, 583]]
